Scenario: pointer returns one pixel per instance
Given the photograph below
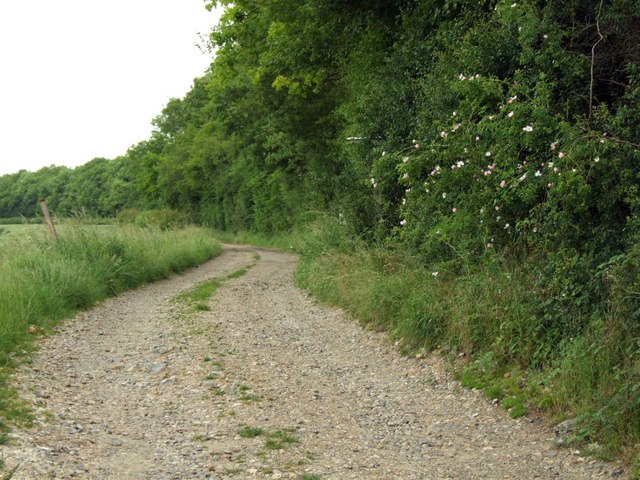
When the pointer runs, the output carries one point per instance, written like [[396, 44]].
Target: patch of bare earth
[[267, 384]]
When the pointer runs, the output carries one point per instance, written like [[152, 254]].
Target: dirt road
[[267, 384]]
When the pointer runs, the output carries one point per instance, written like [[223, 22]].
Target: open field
[[20, 231]]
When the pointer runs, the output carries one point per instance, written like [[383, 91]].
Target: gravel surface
[[267, 384]]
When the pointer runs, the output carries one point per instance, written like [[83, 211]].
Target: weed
[[12, 410], [262, 455], [250, 397], [279, 439], [238, 273], [218, 391], [494, 392], [276, 440], [197, 297], [232, 471], [250, 432], [429, 380], [273, 444], [201, 292], [515, 405], [310, 476]]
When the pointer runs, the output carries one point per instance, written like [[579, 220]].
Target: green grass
[[23, 228], [250, 397], [219, 391], [198, 296], [250, 432], [274, 440], [238, 273], [202, 292], [14, 237], [21, 221], [43, 281], [279, 439]]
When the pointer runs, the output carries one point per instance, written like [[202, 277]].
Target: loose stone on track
[[267, 384]]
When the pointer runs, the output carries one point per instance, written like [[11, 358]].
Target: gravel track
[[267, 384]]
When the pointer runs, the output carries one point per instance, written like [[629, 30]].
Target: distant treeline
[[100, 187]]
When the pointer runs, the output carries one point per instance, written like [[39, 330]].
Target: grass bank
[[493, 325], [44, 281]]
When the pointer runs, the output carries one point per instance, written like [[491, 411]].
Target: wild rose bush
[[507, 157]]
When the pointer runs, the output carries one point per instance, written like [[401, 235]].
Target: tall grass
[[494, 324], [43, 281]]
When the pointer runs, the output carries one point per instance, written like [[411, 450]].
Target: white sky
[[81, 79]]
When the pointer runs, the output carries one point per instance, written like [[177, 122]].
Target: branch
[[593, 58]]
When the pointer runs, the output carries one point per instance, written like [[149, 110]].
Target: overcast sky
[[81, 79]]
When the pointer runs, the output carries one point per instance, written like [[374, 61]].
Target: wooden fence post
[[47, 217]]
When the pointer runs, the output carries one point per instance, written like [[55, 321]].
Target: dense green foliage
[[100, 187], [493, 142]]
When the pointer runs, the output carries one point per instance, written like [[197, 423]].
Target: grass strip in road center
[[197, 297]]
